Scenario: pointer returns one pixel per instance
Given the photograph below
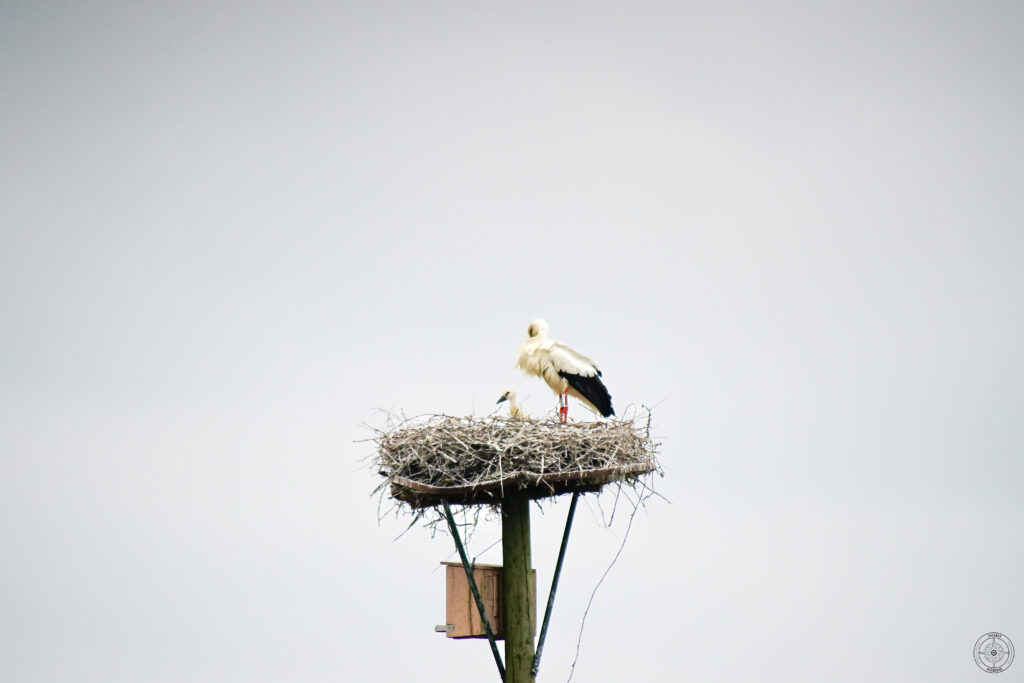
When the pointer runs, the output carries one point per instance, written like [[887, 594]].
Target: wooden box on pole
[[461, 613]]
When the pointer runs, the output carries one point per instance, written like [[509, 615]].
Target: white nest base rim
[[418, 495]]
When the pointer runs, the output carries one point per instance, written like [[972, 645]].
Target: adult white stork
[[567, 371], [513, 406]]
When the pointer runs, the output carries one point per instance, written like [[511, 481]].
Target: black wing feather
[[592, 389]]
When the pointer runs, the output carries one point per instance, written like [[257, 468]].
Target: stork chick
[[567, 371], [513, 406]]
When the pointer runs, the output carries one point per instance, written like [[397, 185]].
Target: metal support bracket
[[476, 592], [554, 584]]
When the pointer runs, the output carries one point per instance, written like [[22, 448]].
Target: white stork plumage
[[513, 406], [567, 371]]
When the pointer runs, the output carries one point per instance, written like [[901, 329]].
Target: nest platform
[[477, 461]]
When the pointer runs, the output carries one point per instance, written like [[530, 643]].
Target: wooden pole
[[515, 547]]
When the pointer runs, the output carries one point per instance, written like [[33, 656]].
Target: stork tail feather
[[592, 389]]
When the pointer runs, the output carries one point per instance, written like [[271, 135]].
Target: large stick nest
[[469, 460]]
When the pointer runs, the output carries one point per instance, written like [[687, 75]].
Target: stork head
[[537, 328], [509, 395]]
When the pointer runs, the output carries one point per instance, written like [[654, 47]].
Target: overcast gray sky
[[232, 232]]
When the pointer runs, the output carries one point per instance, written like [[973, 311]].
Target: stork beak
[[503, 398]]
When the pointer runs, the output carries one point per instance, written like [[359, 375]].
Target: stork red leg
[[563, 406]]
